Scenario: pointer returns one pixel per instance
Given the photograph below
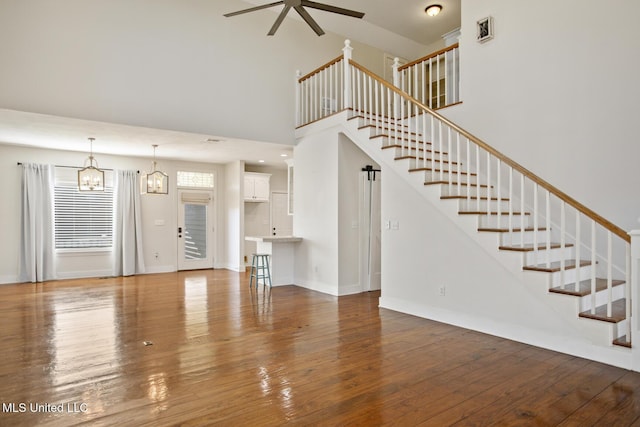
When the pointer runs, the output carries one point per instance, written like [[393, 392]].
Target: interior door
[[195, 230], [281, 221]]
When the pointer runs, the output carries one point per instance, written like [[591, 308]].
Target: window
[[82, 219], [195, 179]]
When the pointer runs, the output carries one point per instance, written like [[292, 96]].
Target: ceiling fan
[[299, 6]]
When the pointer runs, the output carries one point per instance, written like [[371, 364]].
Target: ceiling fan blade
[[334, 9], [251, 9], [309, 20], [276, 24]]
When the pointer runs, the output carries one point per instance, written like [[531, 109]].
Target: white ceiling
[[382, 17]]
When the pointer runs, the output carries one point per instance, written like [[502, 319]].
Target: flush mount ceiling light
[[90, 178], [154, 182], [433, 10]]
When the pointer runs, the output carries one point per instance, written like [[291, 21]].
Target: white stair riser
[[463, 190], [553, 255], [570, 275], [517, 238], [491, 221], [601, 297], [484, 205], [444, 176]]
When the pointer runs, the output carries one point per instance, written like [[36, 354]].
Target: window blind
[[82, 219]]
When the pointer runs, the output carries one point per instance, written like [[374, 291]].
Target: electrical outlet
[[442, 290]]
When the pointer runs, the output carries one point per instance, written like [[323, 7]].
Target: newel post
[[635, 298], [298, 99], [346, 98], [396, 83]]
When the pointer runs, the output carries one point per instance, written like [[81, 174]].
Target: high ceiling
[[407, 24]]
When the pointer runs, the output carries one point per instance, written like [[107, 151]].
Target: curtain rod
[[75, 167]]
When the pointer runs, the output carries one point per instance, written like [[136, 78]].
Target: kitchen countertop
[[274, 239]]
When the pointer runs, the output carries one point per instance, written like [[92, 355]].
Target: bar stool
[[260, 270]]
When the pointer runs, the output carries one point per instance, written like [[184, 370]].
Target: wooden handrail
[[431, 55], [321, 68], [521, 169]]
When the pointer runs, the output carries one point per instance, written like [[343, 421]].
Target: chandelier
[[90, 178], [154, 182]]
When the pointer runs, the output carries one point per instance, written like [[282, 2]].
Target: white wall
[[234, 215], [315, 209], [156, 239], [557, 90], [171, 64]]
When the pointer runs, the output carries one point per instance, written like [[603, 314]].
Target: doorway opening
[[371, 229]]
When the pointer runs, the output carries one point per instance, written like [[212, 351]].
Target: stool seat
[[260, 270]]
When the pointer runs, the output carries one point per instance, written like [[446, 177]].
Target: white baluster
[[438, 80], [627, 289], [488, 183], [424, 83], [593, 267], [477, 171], [430, 103], [578, 248], [459, 161], [563, 233], [446, 79], [499, 183], [511, 201], [609, 272], [522, 225], [535, 220], [547, 234], [298, 96]]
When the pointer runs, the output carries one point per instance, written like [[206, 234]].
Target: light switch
[[395, 225], [158, 222], [387, 225]]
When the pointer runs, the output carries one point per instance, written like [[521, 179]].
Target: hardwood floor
[[220, 354]]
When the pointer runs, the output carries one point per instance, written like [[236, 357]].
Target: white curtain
[[127, 227], [36, 245]]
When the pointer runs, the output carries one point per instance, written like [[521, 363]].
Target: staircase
[[515, 230], [576, 252]]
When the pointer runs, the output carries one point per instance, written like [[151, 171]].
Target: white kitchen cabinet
[[256, 187]]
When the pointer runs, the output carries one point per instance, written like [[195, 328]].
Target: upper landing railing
[[432, 80]]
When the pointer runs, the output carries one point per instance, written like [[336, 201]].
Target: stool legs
[[260, 270]]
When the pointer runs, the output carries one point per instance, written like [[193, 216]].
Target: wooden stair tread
[[384, 135], [555, 266], [436, 170], [504, 199], [386, 147], [618, 312], [492, 213], [463, 184], [529, 247], [584, 287], [422, 160], [622, 341], [404, 131], [506, 230]]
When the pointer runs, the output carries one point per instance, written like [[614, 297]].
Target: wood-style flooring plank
[[221, 353]]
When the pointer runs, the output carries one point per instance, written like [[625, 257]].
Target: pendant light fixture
[[155, 182], [90, 178]]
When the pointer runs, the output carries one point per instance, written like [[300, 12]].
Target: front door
[[195, 229]]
